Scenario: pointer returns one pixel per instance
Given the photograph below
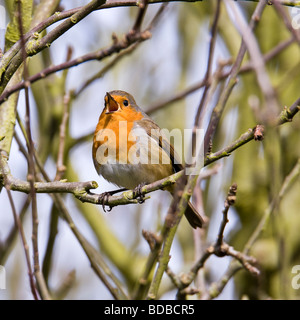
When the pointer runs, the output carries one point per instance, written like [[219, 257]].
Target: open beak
[[111, 105]]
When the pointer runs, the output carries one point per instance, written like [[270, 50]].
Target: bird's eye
[[125, 102]]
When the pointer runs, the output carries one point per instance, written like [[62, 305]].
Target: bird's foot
[[137, 193], [103, 198]]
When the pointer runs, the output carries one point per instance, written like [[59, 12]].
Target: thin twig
[[287, 20], [117, 58], [31, 168], [199, 119], [19, 227], [6, 245], [216, 288], [35, 44], [211, 84], [100, 54], [245, 68], [53, 230], [60, 167], [232, 79], [97, 263], [25, 245], [118, 45], [180, 199], [219, 249], [58, 16], [143, 5], [271, 103], [230, 200], [155, 242], [289, 179], [168, 228], [105, 69], [81, 189]]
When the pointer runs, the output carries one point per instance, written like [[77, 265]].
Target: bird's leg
[[103, 197], [137, 193]]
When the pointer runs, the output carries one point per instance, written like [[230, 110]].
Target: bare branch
[[257, 61], [81, 189], [288, 181], [245, 68], [19, 227], [231, 81], [60, 167], [100, 54], [230, 200], [31, 169], [219, 249]]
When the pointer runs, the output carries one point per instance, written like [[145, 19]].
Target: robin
[[130, 150]]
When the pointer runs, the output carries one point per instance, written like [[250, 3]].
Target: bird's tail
[[193, 216]]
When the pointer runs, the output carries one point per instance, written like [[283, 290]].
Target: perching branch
[[81, 190]]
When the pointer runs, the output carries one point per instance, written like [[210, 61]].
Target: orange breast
[[115, 128]]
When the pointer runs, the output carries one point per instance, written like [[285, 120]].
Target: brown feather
[[148, 124]]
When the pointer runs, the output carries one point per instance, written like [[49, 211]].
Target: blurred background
[[173, 60]]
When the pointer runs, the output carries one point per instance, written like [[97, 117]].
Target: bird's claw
[[137, 193], [103, 198]]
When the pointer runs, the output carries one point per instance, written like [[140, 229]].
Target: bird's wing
[[154, 131]]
